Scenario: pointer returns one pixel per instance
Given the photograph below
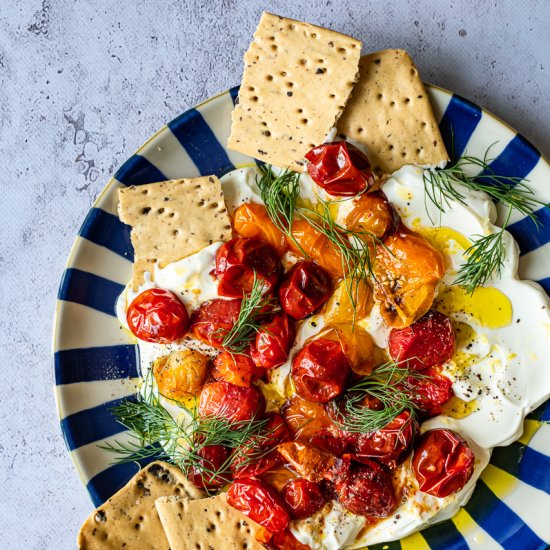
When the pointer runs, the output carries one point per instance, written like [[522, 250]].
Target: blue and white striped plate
[[96, 362]]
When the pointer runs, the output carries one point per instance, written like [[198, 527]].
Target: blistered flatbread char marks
[[205, 524], [296, 82], [172, 219], [129, 518], [390, 112]]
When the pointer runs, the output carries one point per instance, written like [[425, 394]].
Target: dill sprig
[[155, 434], [390, 384], [252, 312]]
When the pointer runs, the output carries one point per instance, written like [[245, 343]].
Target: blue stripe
[[93, 364], [105, 484], [234, 93], [518, 159], [542, 412], [107, 230], [89, 290], [545, 283], [93, 424], [528, 236], [459, 121], [500, 521], [137, 170], [201, 144], [444, 536]]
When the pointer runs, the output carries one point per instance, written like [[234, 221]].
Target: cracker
[[205, 524], [173, 219], [296, 82], [129, 518], [390, 112]]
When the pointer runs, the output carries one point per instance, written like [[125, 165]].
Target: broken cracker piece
[[206, 523], [172, 219], [129, 518], [390, 112], [296, 82]]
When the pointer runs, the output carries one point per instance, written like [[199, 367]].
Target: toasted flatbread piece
[[129, 518], [390, 112], [206, 523], [173, 219], [296, 82]]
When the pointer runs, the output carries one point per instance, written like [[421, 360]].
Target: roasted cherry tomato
[[305, 288], [236, 368], [320, 370], [211, 471], [340, 308], [372, 213], [239, 261], [303, 498], [234, 403], [366, 490], [259, 502], [252, 220], [430, 392], [273, 341], [307, 460], [285, 540], [214, 319], [339, 168], [407, 269], [156, 315], [390, 445], [427, 342], [306, 239], [243, 463], [442, 463]]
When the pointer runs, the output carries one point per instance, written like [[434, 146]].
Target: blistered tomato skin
[[285, 540], [238, 369], [431, 392], [320, 370], [339, 168], [259, 502], [234, 403], [442, 463], [210, 472], [428, 342], [303, 498], [157, 316], [305, 288], [240, 260], [372, 213], [273, 342], [307, 460], [213, 320]]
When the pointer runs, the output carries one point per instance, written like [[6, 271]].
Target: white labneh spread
[[500, 370]]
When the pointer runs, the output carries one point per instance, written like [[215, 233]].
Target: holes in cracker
[[254, 98], [304, 121], [160, 211], [392, 103], [360, 130], [146, 210], [274, 47], [269, 77], [299, 111], [341, 50], [251, 88], [303, 61], [283, 73], [290, 84], [407, 100], [332, 96], [413, 72], [424, 124], [145, 192], [380, 97], [175, 232], [390, 147]]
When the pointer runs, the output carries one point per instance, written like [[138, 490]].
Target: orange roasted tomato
[[308, 461], [407, 270], [252, 220], [237, 369], [372, 213], [317, 246]]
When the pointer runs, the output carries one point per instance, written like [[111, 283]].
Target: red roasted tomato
[[276, 432], [431, 392], [366, 490], [156, 315], [339, 168], [320, 370], [306, 287], [442, 463], [237, 262], [390, 445], [238, 369], [285, 540], [234, 403], [259, 502], [213, 320], [428, 342], [210, 472], [303, 498], [273, 341]]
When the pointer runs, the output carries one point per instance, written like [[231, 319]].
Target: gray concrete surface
[[84, 83]]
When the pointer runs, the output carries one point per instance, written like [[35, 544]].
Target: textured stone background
[[84, 83]]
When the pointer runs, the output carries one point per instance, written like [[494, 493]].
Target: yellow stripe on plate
[[414, 542], [530, 428], [468, 527], [500, 482]]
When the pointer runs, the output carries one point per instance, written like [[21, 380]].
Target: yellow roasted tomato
[[373, 214], [340, 309]]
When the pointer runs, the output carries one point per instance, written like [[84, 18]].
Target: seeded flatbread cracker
[[390, 112], [172, 219], [296, 82], [205, 524], [129, 518]]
